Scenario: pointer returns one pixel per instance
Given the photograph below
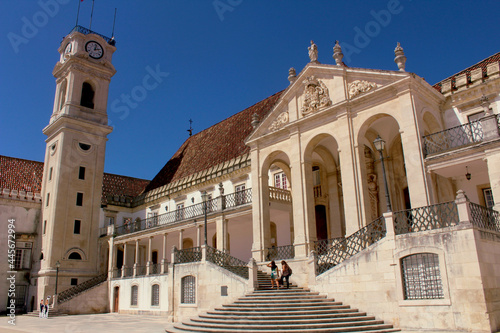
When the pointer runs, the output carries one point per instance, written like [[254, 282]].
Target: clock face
[[94, 49], [68, 48]]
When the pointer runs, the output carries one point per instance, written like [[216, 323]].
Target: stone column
[[252, 275], [111, 258], [493, 162], [181, 239], [303, 204], [124, 259], [198, 235], [136, 256], [221, 225], [389, 224], [148, 265], [164, 261], [257, 206]]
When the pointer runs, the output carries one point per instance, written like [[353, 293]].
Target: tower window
[[48, 197], [81, 173], [75, 256], [79, 199], [76, 227], [44, 227], [62, 95], [84, 146], [50, 173], [87, 99]]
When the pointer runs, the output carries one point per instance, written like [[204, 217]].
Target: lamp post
[[204, 197], [58, 264], [380, 145]]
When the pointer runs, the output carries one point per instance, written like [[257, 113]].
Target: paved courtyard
[[107, 322]]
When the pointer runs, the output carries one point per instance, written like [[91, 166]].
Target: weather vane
[[190, 130]]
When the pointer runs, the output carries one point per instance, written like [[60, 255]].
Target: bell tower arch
[[74, 160]]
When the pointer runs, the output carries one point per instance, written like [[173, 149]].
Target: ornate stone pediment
[[315, 96], [279, 122], [360, 86]]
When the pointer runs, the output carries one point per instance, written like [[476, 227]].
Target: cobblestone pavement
[[96, 323]]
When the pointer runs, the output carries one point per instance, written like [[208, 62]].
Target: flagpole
[[78, 12], [91, 13], [114, 20]]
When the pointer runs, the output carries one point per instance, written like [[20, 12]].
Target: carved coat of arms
[[315, 96]]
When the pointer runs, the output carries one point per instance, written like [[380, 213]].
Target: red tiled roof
[[122, 186], [482, 64], [18, 174], [21, 175], [217, 144]]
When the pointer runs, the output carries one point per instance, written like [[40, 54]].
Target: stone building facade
[[375, 186]]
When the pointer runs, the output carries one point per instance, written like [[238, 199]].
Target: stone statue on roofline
[[313, 52]]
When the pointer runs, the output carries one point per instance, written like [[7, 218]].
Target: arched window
[[87, 99], [62, 94], [421, 276], [41, 256], [155, 294], [187, 243], [188, 290], [133, 295], [75, 256]]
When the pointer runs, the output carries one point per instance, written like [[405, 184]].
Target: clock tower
[[74, 161]]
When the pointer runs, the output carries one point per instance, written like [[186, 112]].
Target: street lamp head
[[58, 264], [204, 196], [379, 143]]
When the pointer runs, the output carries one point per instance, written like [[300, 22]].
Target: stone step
[[175, 329], [285, 312], [305, 304], [283, 308], [51, 314], [357, 326], [290, 321], [281, 317]]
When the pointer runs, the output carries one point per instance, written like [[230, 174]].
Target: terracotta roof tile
[[482, 64], [21, 175], [18, 174], [220, 143]]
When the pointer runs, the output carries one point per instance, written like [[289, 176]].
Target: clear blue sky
[[221, 56]]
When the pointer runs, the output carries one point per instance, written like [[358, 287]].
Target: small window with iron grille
[[155, 295], [421, 277], [188, 290], [134, 294]]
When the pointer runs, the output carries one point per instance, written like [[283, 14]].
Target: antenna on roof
[[91, 14], [78, 13], [190, 130], [113, 32]]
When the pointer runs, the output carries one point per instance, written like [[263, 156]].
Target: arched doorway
[[116, 299]]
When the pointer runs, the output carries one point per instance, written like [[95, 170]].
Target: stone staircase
[[284, 310]]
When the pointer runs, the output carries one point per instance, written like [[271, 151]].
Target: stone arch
[[324, 195], [372, 182], [73, 251]]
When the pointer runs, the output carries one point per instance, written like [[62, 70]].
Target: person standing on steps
[[286, 271], [46, 309], [274, 274], [42, 309]]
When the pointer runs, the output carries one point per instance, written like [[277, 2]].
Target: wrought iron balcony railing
[[484, 218], [86, 31], [426, 218], [219, 204], [280, 252], [187, 255], [454, 137], [224, 260], [322, 246], [347, 247], [74, 291]]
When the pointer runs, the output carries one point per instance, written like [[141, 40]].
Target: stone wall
[[94, 300], [372, 281]]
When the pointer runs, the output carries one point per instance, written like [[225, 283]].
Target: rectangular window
[[76, 227], [79, 199], [23, 255], [155, 295], [110, 220], [475, 116], [48, 197], [488, 197], [188, 290], [74, 281], [179, 213], [44, 226], [81, 173], [133, 295], [50, 173], [421, 276], [20, 296], [240, 197], [280, 181]]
